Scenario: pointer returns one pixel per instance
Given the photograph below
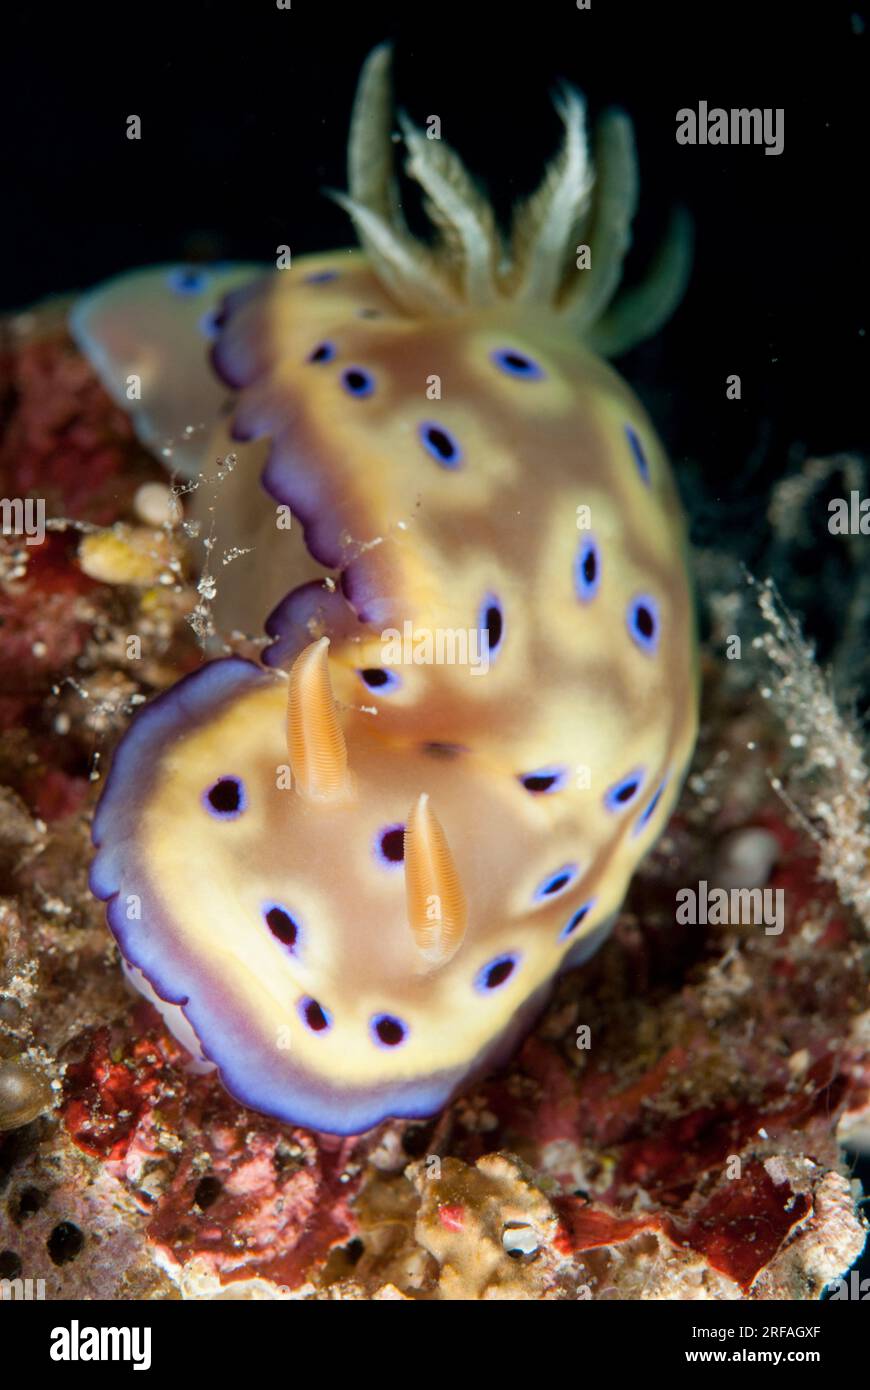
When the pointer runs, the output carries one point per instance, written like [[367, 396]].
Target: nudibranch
[[349, 875]]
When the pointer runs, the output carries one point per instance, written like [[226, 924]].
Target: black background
[[245, 109]]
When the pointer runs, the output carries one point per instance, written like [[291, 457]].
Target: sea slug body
[[359, 938]]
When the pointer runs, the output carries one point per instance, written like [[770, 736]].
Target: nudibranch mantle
[[349, 878], [203, 942]]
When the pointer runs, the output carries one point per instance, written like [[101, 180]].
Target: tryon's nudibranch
[[349, 876]]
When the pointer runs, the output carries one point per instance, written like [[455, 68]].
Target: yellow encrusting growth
[[125, 555]]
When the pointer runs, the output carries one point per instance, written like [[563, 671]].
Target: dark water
[[245, 112]]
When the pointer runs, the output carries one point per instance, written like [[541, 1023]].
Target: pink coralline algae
[[62, 439], [247, 1197], [738, 1230]]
